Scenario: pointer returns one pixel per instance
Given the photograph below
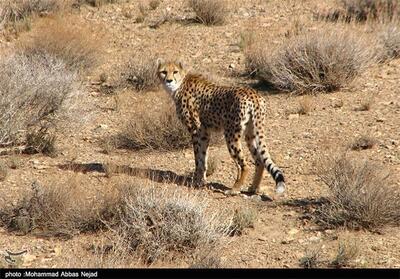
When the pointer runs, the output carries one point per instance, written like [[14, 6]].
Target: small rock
[[293, 231], [256, 197], [314, 239], [293, 116], [287, 240]]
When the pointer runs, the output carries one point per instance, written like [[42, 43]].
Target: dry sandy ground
[[281, 235]]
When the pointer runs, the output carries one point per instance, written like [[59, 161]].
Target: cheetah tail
[[265, 158]]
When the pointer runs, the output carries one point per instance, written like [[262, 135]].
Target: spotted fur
[[203, 107]]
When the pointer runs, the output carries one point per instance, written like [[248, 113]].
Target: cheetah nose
[[169, 80]]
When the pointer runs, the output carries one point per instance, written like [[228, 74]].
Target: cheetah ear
[[160, 61]]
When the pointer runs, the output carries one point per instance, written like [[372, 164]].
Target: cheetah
[[203, 107]]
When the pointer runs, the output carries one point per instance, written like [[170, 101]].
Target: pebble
[[293, 231], [314, 239]]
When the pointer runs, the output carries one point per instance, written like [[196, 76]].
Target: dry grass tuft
[[364, 10], [206, 259], [140, 72], [162, 224], [3, 171], [362, 143], [72, 43], [93, 3], [155, 130], [320, 61], [347, 252], [12, 12], [57, 210], [360, 196], [244, 217], [389, 38], [41, 140], [209, 12], [32, 88], [312, 258]]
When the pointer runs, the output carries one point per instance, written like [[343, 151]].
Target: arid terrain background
[[99, 174]]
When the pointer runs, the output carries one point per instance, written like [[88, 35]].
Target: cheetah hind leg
[[235, 149]]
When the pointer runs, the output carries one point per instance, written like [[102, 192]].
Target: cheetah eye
[[175, 72], [164, 72]]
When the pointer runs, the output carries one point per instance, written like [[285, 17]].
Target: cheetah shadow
[[161, 176]]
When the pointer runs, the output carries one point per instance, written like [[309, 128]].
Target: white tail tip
[[280, 188]]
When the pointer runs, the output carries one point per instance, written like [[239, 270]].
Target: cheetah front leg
[[201, 140]]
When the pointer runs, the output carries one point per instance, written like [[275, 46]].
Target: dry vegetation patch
[[363, 142], [360, 196], [72, 43], [312, 258], [93, 3], [319, 61], [244, 217], [364, 10], [55, 210], [389, 38], [13, 11], [347, 252], [160, 130], [162, 224], [209, 12], [140, 72], [32, 88]]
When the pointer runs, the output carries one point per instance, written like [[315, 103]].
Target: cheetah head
[[171, 74]]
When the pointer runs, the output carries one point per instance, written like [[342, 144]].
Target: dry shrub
[[312, 258], [209, 12], [3, 171], [364, 10], [41, 140], [155, 130], [32, 88], [319, 61], [57, 210], [244, 217], [140, 72], [161, 224], [347, 251], [206, 259], [72, 43], [360, 195], [389, 39], [12, 11], [93, 3], [362, 143]]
